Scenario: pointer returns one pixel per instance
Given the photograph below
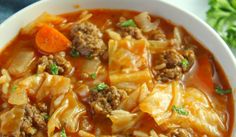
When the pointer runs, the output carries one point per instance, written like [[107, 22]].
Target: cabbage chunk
[[67, 114], [133, 100], [10, 121], [122, 120], [129, 63], [200, 115]]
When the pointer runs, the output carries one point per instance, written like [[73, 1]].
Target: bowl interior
[[199, 29]]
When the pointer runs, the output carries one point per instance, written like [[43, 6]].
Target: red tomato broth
[[203, 74]]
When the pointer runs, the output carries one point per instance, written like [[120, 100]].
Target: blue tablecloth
[[9, 7]]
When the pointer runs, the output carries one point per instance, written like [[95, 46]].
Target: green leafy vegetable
[[100, 87], [222, 91], [93, 75], [63, 133], [128, 23], [74, 53], [222, 17], [180, 110], [185, 63], [54, 69]]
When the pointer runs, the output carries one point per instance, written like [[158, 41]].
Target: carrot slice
[[51, 40]]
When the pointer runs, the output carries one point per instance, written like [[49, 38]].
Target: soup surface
[[111, 73]]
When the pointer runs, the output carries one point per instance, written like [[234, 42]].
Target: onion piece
[[144, 22], [157, 46], [21, 62]]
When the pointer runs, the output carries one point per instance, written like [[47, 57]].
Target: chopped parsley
[[89, 56], [54, 69], [63, 133], [46, 117], [100, 87], [37, 74], [222, 91], [13, 89], [74, 53], [185, 63], [180, 110], [128, 23], [93, 75]]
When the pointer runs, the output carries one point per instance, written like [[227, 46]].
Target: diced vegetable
[[43, 19], [196, 110], [222, 91], [67, 112], [50, 40], [93, 75], [122, 120], [18, 96], [113, 35], [156, 46], [133, 100], [185, 63], [46, 117], [100, 87], [53, 85], [13, 89], [54, 69], [63, 133], [180, 110], [128, 63], [11, 120], [21, 62], [144, 22], [74, 53], [91, 66], [128, 23], [178, 37]]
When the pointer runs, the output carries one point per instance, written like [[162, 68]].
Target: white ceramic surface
[[198, 28]]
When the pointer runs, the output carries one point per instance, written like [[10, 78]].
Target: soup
[[111, 73]]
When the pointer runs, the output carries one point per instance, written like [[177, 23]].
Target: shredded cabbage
[[200, 116]]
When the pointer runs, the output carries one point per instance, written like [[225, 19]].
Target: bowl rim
[[196, 19]]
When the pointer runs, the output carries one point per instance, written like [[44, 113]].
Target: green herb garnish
[[63, 133], [74, 53], [89, 56], [180, 110], [93, 75], [54, 69], [13, 89], [185, 63], [37, 74], [222, 17], [222, 91], [46, 117], [100, 87], [128, 23]]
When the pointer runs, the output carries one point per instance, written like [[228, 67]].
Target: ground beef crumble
[[87, 39], [45, 63], [35, 118], [103, 102], [170, 65], [134, 32], [181, 132]]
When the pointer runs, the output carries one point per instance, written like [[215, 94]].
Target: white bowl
[[198, 28]]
